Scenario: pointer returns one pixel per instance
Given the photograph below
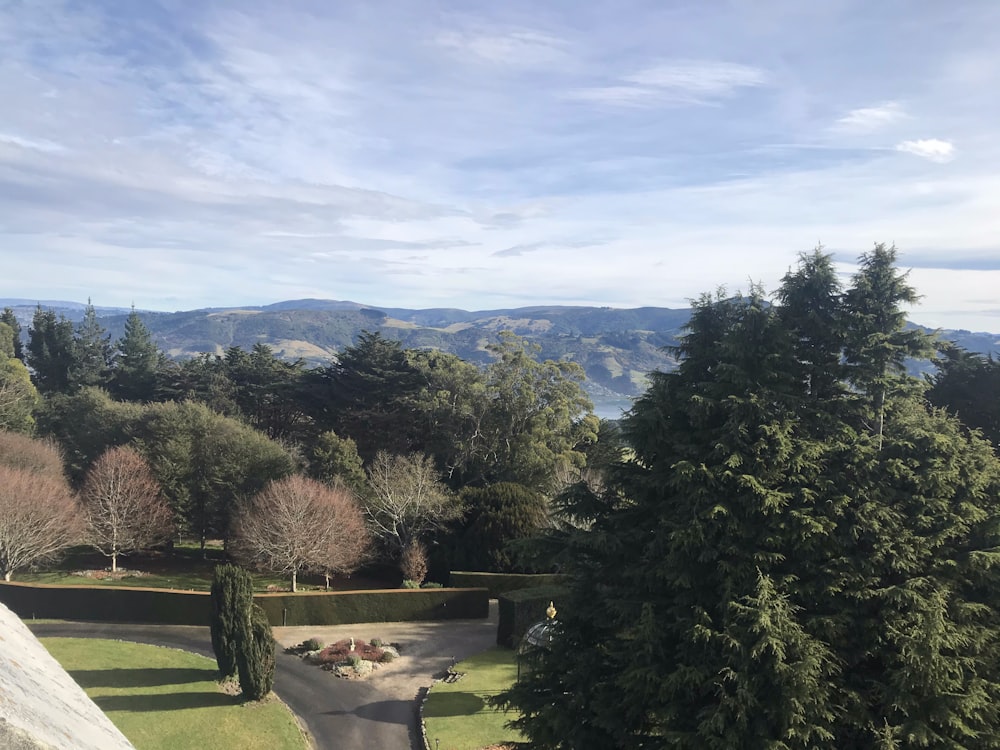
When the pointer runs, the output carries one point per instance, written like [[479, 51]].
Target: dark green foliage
[[232, 598], [51, 351], [968, 386], [92, 352], [255, 658], [519, 609], [366, 395], [790, 560], [390, 605], [107, 604], [333, 458], [138, 362], [496, 515]]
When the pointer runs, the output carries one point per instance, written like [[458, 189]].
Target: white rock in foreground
[[41, 708]]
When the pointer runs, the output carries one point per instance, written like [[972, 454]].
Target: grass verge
[[165, 699], [457, 714]]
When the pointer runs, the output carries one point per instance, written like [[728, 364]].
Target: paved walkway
[[378, 713]]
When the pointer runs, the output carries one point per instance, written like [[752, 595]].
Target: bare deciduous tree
[[39, 517], [297, 524], [123, 507], [18, 451], [407, 501]]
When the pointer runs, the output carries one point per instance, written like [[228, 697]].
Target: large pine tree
[[137, 364], [797, 556]]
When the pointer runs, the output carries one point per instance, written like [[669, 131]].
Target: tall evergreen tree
[[51, 351], [878, 342], [8, 317], [137, 363], [780, 567], [232, 600], [91, 351]]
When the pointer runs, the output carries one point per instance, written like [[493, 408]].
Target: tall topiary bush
[[232, 599], [255, 656]]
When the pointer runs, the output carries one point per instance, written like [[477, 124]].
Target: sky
[[176, 155]]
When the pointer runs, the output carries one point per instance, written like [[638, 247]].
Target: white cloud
[[36, 144], [932, 149], [678, 82], [519, 48], [870, 119], [699, 78]]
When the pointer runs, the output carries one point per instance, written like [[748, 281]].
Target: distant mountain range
[[616, 347]]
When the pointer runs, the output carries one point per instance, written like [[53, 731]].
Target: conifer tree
[[781, 566], [878, 343], [91, 351], [232, 599], [255, 656], [137, 362], [50, 351]]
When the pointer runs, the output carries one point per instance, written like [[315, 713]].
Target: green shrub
[[431, 585], [313, 644], [409, 583], [232, 597], [255, 656], [376, 642], [519, 610]]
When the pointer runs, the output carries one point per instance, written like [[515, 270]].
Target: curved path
[[347, 714]]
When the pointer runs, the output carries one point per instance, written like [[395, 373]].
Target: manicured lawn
[[457, 713], [164, 699], [184, 569]]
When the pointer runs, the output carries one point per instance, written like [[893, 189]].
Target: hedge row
[[500, 583], [166, 607], [106, 604], [519, 610], [384, 605]]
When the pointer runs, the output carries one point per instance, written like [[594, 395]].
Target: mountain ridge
[[617, 347]]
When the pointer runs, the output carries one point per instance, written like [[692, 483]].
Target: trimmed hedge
[[500, 583], [166, 607], [519, 610], [385, 605], [107, 604]]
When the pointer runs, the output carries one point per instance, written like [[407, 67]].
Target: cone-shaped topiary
[[232, 598], [255, 656]]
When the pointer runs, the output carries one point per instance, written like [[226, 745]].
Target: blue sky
[[479, 155]]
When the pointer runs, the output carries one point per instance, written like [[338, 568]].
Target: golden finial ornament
[[550, 611]]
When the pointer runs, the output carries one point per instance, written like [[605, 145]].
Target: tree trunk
[[326, 579], [7, 574], [294, 581], [114, 562]]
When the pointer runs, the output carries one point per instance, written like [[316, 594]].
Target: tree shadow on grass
[[137, 678], [453, 704], [164, 701]]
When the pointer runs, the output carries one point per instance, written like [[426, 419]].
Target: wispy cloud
[[678, 82], [517, 48], [932, 149], [241, 151], [871, 119], [36, 144], [699, 78]]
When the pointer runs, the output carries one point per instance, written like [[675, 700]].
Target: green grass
[[165, 699], [184, 569], [457, 714]]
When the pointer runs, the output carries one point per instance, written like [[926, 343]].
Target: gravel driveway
[[377, 713]]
